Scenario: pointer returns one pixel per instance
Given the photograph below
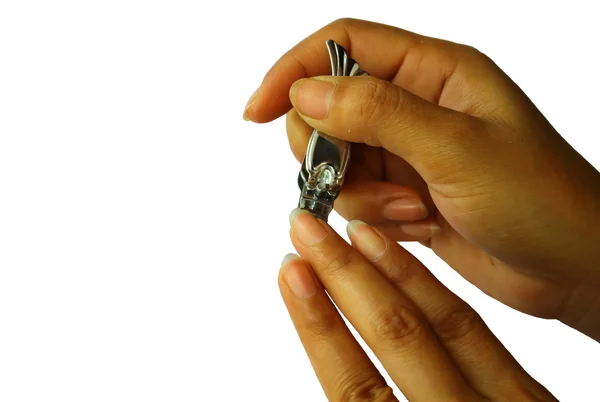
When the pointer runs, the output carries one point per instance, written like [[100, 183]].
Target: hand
[[449, 149], [431, 343]]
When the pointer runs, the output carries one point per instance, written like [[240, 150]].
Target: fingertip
[[308, 229], [298, 278], [405, 209], [367, 240], [249, 104], [378, 203], [284, 266], [420, 230], [294, 213], [267, 103], [352, 226], [293, 89], [289, 257], [312, 97]]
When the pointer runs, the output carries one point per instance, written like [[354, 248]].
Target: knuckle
[[343, 22], [468, 49], [402, 272], [336, 263], [474, 54], [364, 387], [376, 102], [321, 323], [397, 324], [459, 324]]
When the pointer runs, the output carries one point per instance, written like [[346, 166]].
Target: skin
[[431, 343], [450, 152]]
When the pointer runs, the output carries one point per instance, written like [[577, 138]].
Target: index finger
[[379, 49]]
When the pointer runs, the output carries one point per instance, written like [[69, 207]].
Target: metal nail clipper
[[324, 166]]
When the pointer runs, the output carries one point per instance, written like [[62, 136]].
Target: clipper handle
[[324, 167]]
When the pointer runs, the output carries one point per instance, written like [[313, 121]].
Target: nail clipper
[[326, 161]]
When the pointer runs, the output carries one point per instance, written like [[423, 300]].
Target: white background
[[142, 221]]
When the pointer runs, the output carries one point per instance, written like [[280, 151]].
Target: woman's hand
[[449, 151], [431, 343]]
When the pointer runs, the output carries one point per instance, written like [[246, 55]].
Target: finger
[[310, 57], [380, 202], [422, 230], [438, 142], [386, 320], [484, 361], [344, 370], [397, 211], [382, 50]]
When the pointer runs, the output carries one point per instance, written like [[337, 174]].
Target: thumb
[[438, 142]]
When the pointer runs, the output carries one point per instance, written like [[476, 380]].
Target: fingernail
[[366, 240], [422, 230], [312, 97], [307, 228], [400, 209], [300, 281], [249, 104], [287, 258]]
